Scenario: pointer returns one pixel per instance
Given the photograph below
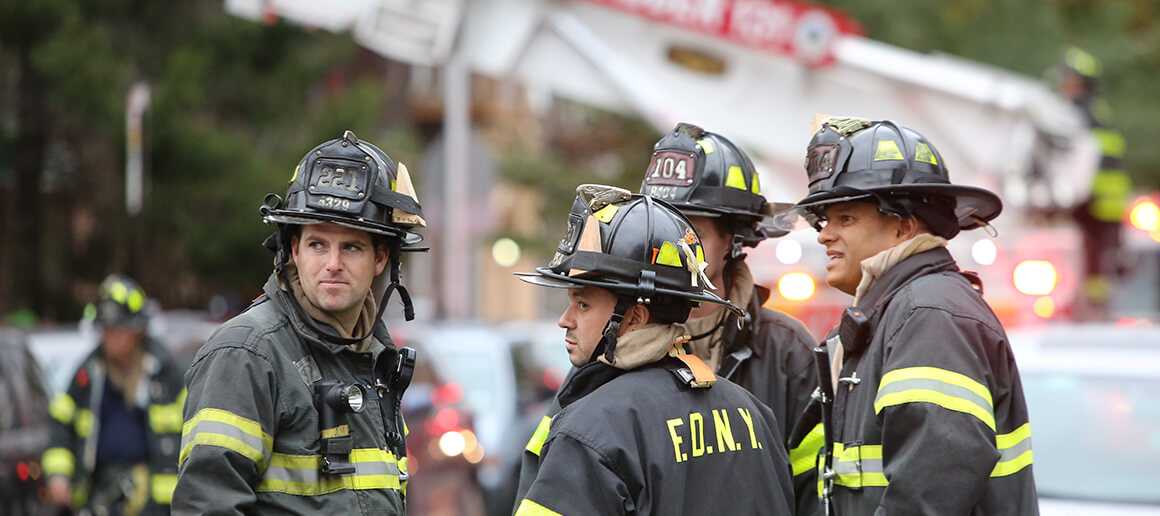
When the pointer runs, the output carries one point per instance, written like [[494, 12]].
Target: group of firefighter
[[687, 395]]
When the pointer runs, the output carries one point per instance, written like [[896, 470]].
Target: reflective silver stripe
[[1011, 453], [851, 467], [937, 386], [215, 427], [376, 468]]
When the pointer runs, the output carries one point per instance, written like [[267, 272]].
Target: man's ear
[[294, 247], [382, 257], [908, 228], [637, 316]]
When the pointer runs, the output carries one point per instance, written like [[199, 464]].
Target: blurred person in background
[[928, 414], [117, 428], [24, 426], [294, 405], [714, 183], [644, 427], [1100, 217]]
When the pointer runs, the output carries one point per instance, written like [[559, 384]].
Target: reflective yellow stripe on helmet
[[947, 389], [224, 429], [540, 436]]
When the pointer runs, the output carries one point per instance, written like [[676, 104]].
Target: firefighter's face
[[717, 244], [855, 231], [337, 265], [589, 309], [120, 342]]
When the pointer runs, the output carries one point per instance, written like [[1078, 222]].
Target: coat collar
[[318, 334]]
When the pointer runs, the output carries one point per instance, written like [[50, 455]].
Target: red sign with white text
[[801, 31]]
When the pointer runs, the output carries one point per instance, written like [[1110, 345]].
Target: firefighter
[[116, 431], [928, 413], [714, 183], [644, 427], [1100, 216], [293, 405]]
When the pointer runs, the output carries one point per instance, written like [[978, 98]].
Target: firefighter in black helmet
[[117, 428], [714, 183], [644, 427], [294, 404], [928, 409]]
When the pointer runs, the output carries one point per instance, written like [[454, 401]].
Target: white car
[[1093, 392]]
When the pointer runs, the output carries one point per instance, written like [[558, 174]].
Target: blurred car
[[443, 450], [1092, 394], [23, 427]]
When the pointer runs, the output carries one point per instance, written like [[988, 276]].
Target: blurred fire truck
[[760, 71]]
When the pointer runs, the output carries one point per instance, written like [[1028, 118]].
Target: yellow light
[[1145, 216], [505, 252], [452, 443], [796, 286], [1044, 307], [1035, 277]]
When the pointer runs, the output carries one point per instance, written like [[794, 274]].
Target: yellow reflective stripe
[[84, 422], [536, 443], [406, 430], [216, 427], [167, 418], [338, 431], [668, 255], [299, 474], [803, 457], [58, 461], [888, 151], [63, 408], [736, 178], [529, 507], [161, 486], [1111, 141], [756, 188], [1014, 451], [947, 389], [937, 398], [934, 373], [859, 466], [606, 213]]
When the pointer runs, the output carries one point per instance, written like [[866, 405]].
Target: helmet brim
[[974, 207], [408, 238], [545, 277]]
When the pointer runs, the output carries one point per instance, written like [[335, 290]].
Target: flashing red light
[[22, 471], [444, 420], [551, 380], [447, 394]]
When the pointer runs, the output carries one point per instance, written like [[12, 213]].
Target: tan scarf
[[357, 324], [874, 267], [127, 379], [710, 348], [647, 344]]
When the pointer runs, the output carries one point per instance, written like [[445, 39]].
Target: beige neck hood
[[710, 348], [647, 344]]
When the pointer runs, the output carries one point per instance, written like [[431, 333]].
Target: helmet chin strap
[[397, 286], [607, 344]]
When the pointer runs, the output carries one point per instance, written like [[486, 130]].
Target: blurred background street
[[140, 137]]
